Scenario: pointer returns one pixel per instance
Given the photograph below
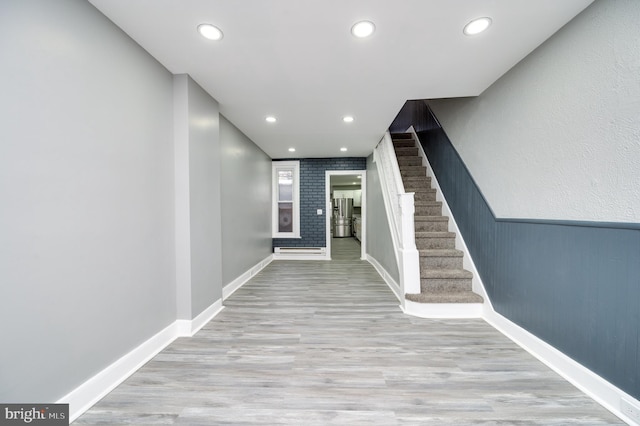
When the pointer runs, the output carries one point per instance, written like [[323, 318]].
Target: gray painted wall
[[246, 202], [379, 241], [204, 197], [558, 136], [86, 182]]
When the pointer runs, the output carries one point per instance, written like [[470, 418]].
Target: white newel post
[[409, 255]]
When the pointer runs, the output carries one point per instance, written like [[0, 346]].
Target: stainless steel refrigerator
[[342, 212]]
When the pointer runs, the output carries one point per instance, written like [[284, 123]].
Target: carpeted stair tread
[[442, 277], [455, 274], [404, 143], [435, 234], [409, 160], [440, 253], [427, 204], [445, 297], [431, 218], [406, 152], [401, 136]]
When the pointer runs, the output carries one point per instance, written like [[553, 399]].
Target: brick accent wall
[[312, 197]]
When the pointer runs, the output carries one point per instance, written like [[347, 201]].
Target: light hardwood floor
[[319, 343]]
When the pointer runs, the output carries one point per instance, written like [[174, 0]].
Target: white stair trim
[[393, 285], [443, 310]]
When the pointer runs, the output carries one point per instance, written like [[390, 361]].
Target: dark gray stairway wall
[[575, 285], [312, 197]]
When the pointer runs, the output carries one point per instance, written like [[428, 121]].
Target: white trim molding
[[93, 390], [393, 285], [97, 387], [234, 285], [443, 310], [599, 389], [203, 318]]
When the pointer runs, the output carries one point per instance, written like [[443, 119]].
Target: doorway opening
[[345, 196]]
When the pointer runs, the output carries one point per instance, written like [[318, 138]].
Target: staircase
[[442, 277]]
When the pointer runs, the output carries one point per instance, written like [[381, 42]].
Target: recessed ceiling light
[[270, 119], [363, 29], [354, 183], [359, 177], [477, 26], [347, 119], [292, 150], [343, 149], [210, 31]]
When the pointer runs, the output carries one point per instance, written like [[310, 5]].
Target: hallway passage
[[320, 343]]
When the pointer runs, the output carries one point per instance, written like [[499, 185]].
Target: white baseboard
[[599, 389], [93, 390], [205, 316], [301, 257], [393, 285], [443, 310], [230, 288]]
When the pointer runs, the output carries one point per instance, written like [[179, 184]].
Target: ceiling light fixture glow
[[292, 150], [343, 149], [347, 119], [477, 26], [210, 31], [270, 119], [363, 29]]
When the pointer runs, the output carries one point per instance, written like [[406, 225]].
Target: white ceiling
[[297, 60]]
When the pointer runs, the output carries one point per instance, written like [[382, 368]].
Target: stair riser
[[407, 152], [445, 284], [413, 171], [435, 243], [431, 226], [437, 262], [428, 210], [416, 185], [409, 161], [417, 181], [409, 143], [424, 195], [407, 135]]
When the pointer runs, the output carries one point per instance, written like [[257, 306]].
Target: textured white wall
[[86, 190], [558, 136]]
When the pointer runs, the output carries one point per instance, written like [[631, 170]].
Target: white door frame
[[363, 208]]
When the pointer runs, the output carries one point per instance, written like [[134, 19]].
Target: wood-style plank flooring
[[324, 343]]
